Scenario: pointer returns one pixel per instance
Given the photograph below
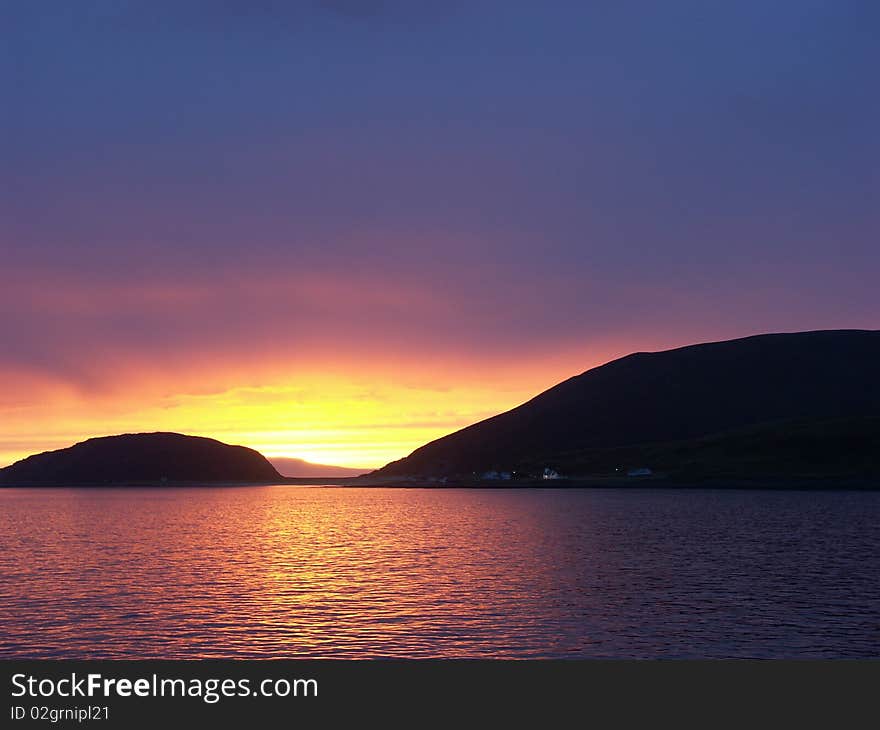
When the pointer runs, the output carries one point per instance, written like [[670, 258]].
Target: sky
[[337, 230]]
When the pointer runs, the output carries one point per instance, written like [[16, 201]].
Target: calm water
[[308, 572]]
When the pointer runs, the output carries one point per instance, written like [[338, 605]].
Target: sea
[[361, 573]]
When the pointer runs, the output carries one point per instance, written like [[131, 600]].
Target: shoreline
[[829, 483]]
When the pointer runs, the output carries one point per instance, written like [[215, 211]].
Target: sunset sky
[[337, 230]]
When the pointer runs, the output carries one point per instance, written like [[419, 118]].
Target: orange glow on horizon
[[320, 414]]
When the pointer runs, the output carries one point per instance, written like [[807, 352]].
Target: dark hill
[[649, 405], [299, 469], [142, 458]]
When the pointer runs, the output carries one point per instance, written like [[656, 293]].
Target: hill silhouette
[[768, 404], [142, 458], [299, 468]]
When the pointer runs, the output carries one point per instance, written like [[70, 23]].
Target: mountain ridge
[[669, 396], [301, 469], [140, 458]]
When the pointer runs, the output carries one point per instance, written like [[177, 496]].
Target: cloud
[[194, 201]]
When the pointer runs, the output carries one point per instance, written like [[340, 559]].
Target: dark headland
[[142, 458], [781, 410], [778, 409], [302, 469]]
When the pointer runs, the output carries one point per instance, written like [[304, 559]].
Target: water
[[273, 572]]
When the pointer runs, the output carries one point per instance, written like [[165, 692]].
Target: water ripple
[[281, 572]]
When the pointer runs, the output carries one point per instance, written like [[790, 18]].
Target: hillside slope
[[299, 468], [673, 397], [142, 458]]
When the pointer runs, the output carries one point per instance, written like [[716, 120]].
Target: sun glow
[[324, 417]]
